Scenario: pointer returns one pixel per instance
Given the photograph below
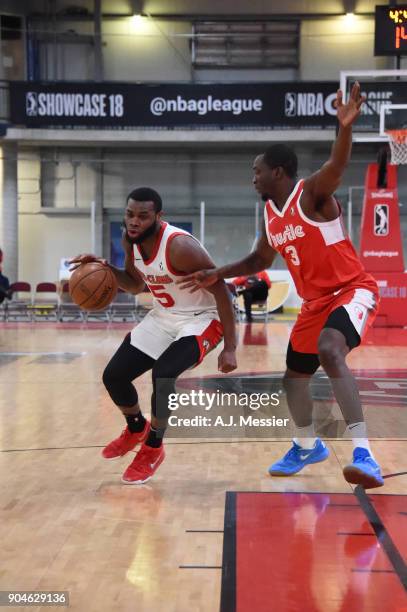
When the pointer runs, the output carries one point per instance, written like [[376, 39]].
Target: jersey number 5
[[292, 252], [165, 299]]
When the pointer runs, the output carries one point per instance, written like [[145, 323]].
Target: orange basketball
[[93, 286]]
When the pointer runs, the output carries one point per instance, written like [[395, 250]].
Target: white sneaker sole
[[113, 458], [136, 482], [282, 474]]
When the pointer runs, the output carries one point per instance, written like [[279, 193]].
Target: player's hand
[[227, 361], [127, 246], [347, 113], [198, 280], [79, 260]]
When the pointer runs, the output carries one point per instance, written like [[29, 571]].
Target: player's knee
[[288, 382], [293, 381], [109, 376], [329, 354], [162, 371], [121, 391]]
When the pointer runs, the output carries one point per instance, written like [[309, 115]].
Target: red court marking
[[378, 336], [255, 334], [392, 510], [53, 325], [386, 336], [298, 551]]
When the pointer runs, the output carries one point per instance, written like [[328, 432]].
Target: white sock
[[305, 436], [357, 431]]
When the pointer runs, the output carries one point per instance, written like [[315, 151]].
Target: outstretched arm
[[323, 183], [262, 257]]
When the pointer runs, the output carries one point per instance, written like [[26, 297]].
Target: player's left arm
[[320, 186], [186, 256]]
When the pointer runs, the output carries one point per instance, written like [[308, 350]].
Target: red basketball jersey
[[319, 256]]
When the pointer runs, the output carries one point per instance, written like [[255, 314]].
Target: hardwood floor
[[67, 520]]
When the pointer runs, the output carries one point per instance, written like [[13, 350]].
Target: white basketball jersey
[[160, 277]]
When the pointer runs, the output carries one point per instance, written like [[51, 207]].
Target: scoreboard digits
[[391, 30]]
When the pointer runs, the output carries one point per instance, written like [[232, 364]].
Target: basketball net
[[398, 146]]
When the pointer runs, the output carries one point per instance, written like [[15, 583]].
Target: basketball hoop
[[398, 145]]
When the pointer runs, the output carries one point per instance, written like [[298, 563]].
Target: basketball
[[93, 286]]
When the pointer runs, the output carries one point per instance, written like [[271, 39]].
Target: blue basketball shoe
[[363, 470], [298, 457]]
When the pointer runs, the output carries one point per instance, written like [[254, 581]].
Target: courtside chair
[[19, 308], [46, 302], [123, 307], [3, 309], [68, 310]]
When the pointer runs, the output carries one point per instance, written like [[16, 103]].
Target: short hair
[[281, 155], [146, 194]]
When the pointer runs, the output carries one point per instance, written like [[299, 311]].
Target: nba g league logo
[[381, 220], [31, 104]]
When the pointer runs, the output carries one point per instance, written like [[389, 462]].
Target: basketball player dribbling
[[303, 223], [174, 336]]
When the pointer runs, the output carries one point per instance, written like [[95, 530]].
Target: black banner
[[308, 105]]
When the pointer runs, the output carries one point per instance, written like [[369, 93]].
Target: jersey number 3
[[165, 299], [292, 252]]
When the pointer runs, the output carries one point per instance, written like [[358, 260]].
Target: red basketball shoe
[[144, 465], [125, 442]]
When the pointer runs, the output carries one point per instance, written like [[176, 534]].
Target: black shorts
[[308, 363]]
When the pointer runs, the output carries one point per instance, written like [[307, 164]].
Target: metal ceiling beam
[[261, 17]]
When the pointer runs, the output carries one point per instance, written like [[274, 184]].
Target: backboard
[[381, 88]]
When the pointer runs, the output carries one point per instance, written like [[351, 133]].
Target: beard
[[150, 231]]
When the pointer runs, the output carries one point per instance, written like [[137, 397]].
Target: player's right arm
[[260, 259], [320, 186], [128, 279]]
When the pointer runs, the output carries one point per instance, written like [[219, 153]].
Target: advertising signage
[[307, 105]]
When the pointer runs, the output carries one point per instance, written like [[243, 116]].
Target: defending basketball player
[[174, 336], [303, 223]]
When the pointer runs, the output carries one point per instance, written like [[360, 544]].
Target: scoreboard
[[391, 30]]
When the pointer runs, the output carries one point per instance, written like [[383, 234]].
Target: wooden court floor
[[69, 524]]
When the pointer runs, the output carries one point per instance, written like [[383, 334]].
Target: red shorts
[[360, 303], [209, 339]]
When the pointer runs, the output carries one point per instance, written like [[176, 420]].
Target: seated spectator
[[254, 288], [4, 283]]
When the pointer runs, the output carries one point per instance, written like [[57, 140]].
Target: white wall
[[146, 49], [340, 43], [260, 7], [70, 62], [45, 238]]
